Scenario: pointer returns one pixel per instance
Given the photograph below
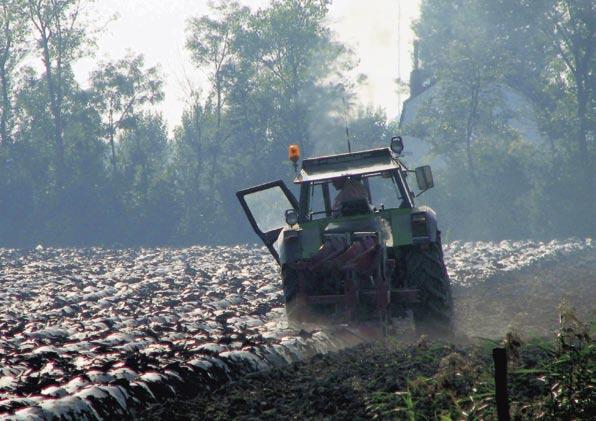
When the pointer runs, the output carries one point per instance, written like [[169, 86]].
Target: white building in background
[[523, 119]]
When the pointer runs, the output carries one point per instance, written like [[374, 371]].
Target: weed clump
[[549, 379], [567, 374]]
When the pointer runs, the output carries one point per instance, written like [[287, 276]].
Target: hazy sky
[[156, 28]]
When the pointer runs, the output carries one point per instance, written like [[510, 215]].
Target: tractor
[[369, 255]]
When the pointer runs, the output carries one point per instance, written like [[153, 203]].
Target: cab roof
[[347, 164]]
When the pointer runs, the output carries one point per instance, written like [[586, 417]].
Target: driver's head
[[339, 183]]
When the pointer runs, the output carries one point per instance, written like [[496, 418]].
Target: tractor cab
[[333, 190], [374, 178]]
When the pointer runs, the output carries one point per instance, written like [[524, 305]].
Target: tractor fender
[[424, 225], [288, 245]]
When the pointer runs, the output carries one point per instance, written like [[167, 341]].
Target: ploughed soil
[[359, 382], [99, 333], [535, 313], [395, 381], [527, 301]]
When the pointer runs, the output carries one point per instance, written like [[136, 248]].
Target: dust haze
[[132, 278]]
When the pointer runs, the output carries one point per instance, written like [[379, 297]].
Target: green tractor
[[369, 254]]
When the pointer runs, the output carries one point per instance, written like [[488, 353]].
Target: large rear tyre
[[425, 271]]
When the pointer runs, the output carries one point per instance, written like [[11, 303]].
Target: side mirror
[[424, 177]]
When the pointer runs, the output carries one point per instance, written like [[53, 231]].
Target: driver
[[350, 189]]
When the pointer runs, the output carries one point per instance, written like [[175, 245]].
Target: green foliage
[[570, 376], [97, 166], [546, 381], [89, 166], [13, 48], [119, 89], [483, 59], [385, 405], [275, 80]]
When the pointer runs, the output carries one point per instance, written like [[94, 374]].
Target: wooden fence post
[[500, 359]]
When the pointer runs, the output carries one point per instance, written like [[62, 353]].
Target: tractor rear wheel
[[425, 271]]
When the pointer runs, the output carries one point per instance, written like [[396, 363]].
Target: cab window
[[384, 192], [317, 209]]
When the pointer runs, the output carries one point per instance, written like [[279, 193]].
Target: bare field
[[527, 301], [96, 333], [408, 378]]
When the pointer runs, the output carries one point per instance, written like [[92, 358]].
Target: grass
[[549, 379]]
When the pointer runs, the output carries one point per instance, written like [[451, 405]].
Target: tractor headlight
[[291, 217], [397, 145]]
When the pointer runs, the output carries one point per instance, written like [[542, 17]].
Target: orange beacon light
[[294, 153]]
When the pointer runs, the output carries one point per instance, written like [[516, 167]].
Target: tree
[[541, 51], [296, 59], [467, 120], [274, 76], [370, 129], [210, 41], [570, 26], [13, 48], [191, 176], [61, 39], [119, 89], [151, 198], [552, 61], [469, 106]]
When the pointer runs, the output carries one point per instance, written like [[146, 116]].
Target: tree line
[[498, 183], [95, 165]]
